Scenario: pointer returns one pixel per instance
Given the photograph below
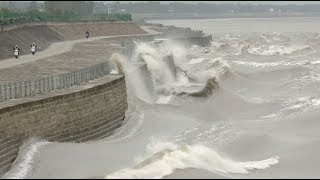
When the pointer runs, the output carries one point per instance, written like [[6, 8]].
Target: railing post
[[39, 87], [68, 80], [5, 91], [100, 70], [87, 72], [25, 89], [1, 93], [52, 83], [15, 92], [73, 79], [29, 89], [78, 77], [64, 78], [65, 81], [21, 89], [49, 84], [10, 92], [88, 75], [44, 85], [57, 82], [62, 81], [33, 88], [92, 73]]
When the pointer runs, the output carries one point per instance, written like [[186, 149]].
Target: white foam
[[293, 106], [195, 61], [275, 49], [163, 99], [315, 62], [165, 157], [24, 164], [269, 64], [159, 71]]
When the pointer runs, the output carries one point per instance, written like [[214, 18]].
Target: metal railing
[[23, 88]]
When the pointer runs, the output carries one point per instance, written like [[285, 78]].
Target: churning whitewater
[[247, 106], [261, 79]]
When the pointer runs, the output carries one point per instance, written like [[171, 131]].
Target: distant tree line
[[63, 11], [83, 8], [92, 7], [179, 7]]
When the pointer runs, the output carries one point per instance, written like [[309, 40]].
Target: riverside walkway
[[62, 57], [63, 64]]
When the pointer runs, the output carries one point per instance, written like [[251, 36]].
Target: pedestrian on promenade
[[16, 51], [87, 34], [33, 48]]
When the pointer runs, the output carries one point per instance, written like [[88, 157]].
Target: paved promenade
[[61, 57]]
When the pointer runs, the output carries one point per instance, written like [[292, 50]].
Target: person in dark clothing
[[87, 34]]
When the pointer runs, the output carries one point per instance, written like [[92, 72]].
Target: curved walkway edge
[[61, 47]]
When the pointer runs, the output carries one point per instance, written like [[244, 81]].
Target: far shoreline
[[189, 16]]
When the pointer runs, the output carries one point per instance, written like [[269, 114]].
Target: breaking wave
[[170, 76], [25, 163], [163, 158]]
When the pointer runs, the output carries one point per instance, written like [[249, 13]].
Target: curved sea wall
[[74, 115], [195, 40]]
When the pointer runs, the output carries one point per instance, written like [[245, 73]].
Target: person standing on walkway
[[33, 48], [16, 51], [87, 34]]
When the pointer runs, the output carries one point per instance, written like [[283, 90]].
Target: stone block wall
[[189, 41], [80, 116]]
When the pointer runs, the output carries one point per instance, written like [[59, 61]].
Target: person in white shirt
[[33, 48], [16, 51]]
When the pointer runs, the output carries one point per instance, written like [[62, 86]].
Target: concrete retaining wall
[[189, 41], [78, 116]]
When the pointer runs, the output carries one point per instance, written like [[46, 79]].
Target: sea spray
[[163, 158], [25, 164]]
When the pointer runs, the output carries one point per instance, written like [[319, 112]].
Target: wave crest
[[165, 157]]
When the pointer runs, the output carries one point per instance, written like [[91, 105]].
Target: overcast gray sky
[[252, 2]]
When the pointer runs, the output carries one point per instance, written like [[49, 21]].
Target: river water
[[245, 107]]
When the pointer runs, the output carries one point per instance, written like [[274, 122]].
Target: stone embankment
[[46, 34], [180, 35], [82, 113], [85, 112]]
